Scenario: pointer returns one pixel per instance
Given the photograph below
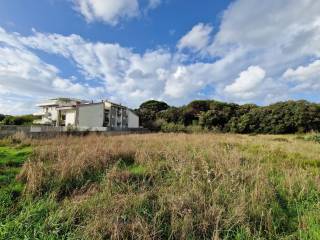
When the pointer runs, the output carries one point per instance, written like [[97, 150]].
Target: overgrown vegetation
[[161, 186], [12, 156], [278, 118], [2, 116], [312, 137], [17, 120]]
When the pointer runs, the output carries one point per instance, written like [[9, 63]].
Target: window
[[62, 119], [106, 118], [119, 112]]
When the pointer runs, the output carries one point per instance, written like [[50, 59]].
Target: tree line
[[17, 120], [211, 115]]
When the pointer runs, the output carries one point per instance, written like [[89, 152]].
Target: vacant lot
[[160, 186]]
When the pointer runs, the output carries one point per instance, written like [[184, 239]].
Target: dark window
[[119, 112], [62, 119], [106, 118]]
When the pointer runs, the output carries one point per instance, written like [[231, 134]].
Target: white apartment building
[[83, 114]]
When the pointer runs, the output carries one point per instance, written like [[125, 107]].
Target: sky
[[130, 51]]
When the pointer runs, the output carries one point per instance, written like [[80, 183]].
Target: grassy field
[[160, 186]]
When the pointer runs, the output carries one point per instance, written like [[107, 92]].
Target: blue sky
[[130, 51]]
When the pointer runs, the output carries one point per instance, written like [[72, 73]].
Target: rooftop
[[63, 102]]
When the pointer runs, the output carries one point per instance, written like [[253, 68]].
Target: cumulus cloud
[[111, 11], [24, 74], [128, 77], [247, 81], [304, 73], [185, 81], [263, 26], [197, 38], [275, 36], [253, 85], [305, 77]]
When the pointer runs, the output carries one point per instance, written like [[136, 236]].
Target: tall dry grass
[[179, 186]]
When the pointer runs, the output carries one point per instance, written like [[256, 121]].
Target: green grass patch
[[36, 220], [11, 156], [137, 169], [310, 137], [11, 160]]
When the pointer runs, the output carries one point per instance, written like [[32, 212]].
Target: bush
[[173, 128], [279, 118], [196, 129], [313, 137], [148, 113], [2, 117], [18, 120]]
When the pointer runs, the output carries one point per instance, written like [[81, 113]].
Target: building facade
[[83, 114]]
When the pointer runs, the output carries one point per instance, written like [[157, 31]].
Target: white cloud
[[185, 81], [237, 49], [128, 77], [197, 39], [272, 23], [16, 105], [246, 85], [25, 75], [275, 36], [112, 11], [131, 78], [252, 85], [304, 73], [247, 81], [305, 78], [154, 4]]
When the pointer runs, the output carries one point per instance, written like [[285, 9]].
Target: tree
[[2, 116], [191, 112], [153, 105], [148, 113], [19, 120], [199, 105], [172, 114], [281, 117], [218, 115]]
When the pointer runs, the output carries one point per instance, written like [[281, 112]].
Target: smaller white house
[[83, 114]]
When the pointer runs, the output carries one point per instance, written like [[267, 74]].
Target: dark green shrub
[[18, 120], [172, 127]]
